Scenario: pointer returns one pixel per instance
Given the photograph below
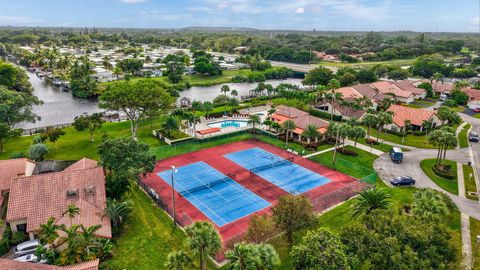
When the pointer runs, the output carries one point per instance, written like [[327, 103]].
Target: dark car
[[403, 181], [473, 136]]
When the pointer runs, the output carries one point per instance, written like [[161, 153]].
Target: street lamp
[[173, 170], [475, 250]]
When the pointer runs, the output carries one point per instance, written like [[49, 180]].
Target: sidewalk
[[464, 222], [365, 148], [394, 144]]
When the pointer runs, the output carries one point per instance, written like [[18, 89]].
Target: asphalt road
[[410, 166]]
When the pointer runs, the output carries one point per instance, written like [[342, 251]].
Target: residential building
[[416, 117], [349, 96], [390, 89], [33, 199], [8, 264], [409, 86], [300, 118]]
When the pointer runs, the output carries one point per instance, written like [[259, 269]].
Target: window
[[22, 227]]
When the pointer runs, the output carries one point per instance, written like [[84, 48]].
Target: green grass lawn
[[448, 185], [340, 216], [410, 139], [469, 179], [75, 145], [381, 146], [420, 104], [147, 238], [474, 231], [463, 136]]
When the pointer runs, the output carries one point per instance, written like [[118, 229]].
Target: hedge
[[324, 115], [442, 174]]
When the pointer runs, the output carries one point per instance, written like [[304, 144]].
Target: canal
[[61, 107]]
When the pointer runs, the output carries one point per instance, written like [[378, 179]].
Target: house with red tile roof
[[409, 86], [349, 96], [300, 118], [416, 117], [439, 87], [10, 169], [32, 199], [390, 89], [14, 265], [473, 97]]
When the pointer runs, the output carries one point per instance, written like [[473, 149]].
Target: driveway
[[410, 166]]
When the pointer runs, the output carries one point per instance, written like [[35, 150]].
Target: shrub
[[347, 152], [324, 115], [18, 237], [444, 171], [18, 155], [4, 246], [239, 79], [37, 151]]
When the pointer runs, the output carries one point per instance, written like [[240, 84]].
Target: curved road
[[387, 170]]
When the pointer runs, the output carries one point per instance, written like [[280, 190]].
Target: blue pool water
[[288, 176], [229, 123], [219, 197]]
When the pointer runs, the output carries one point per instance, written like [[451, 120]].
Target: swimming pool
[[228, 123]]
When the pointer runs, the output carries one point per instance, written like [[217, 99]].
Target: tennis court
[[281, 172], [219, 197]]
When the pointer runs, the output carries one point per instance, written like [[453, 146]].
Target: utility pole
[[336, 145], [173, 171]]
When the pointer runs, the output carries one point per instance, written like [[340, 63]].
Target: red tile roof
[[39, 197], [368, 91], [11, 168], [473, 94], [82, 164], [300, 118], [416, 116], [409, 87], [6, 264], [389, 88], [441, 87]]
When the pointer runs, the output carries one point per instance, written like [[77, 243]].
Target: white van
[[443, 97], [27, 247]]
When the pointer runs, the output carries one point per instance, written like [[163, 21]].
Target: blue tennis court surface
[[287, 175], [219, 197]]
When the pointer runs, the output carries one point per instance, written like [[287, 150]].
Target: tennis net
[[272, 165], [203, 187]]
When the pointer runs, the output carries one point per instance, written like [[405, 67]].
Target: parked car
[[477, 110], [403, 181], [473, 136], [443, 97], [31, 258], [27, 247]]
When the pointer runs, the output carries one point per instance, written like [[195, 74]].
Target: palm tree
[[203, 240], [234, 93], [311, 132], [118, 212], [369, 200], [383, 118], [269, 259], [48, 232], [437, 76], [243, 256], [170, 125], [333, 85], [233, 102], [357, 132], [88, 243], [429, 204], [72, 211], [253, 120], [225, 89], [288, 126], [196, 106], [178, 260], [427, 126], [72, 254], [370, 120], [406, 125]]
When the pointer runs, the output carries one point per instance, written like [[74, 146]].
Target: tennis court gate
[[337, 196]]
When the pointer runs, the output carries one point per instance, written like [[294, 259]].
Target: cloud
[[300, 10], [133, 1], [475, 21]]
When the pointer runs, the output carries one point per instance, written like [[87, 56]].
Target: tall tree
[[254, 120], [90, 122], [311, 132], [17, 107], [137, 100], [203, 240], [320, 249], [118, 211], [288, 126], [318, 76], [48, 232], [292, 213], [225, 89], [243, 256], [81, 82], [333, 95], [370, 120]]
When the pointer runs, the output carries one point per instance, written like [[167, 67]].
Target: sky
[[322, 15]]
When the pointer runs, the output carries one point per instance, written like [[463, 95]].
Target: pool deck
[[203, 125]]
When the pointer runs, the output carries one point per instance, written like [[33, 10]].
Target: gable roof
[[289, 112], [14, 265], [300, 118], [441, 87], [409, 87], [12, 168], [416, 116], [82, 164], [473, 94], [389, 88], [368, 91], [36, 198], [349, 93]]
